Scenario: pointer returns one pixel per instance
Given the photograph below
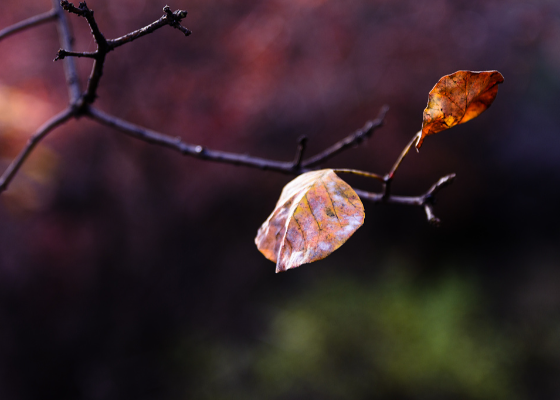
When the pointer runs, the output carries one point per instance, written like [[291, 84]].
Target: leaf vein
[[312, 213], [332, 202]]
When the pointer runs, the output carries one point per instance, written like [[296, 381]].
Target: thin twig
[[80, 105], [43, 131], [28, 23], [192, 150], [379, 198], [349, 141], [102, 49], [359, 173], [83, 11], [442, 183], [175, 18], [426, 200], [94, 78], [302, 144], [169, 18], [62, 54], [65, 41], [203, 153], [432, 219], [104, 46]]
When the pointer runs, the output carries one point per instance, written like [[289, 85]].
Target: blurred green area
[[395, 337]]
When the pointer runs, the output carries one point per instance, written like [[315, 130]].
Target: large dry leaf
[[458, 98], [316, 213]]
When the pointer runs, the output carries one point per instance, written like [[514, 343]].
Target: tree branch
[[426, 200], [300, 150], [187, 149], [102, 50], [169, 18], [83, 11], [65, 41], [28, 23], [62, 54], [201, 152], [80, 104], [104, 46], [43, 131]]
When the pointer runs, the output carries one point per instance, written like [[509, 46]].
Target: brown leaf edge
[[457, 98]]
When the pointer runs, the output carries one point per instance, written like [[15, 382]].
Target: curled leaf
[[316, 213], [458, 98]]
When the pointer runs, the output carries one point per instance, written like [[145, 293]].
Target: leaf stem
[[414, 140], [360, 173]]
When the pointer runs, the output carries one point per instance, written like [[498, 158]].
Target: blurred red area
[[112, 251]]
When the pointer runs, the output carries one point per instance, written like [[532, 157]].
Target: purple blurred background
[[130, 271]]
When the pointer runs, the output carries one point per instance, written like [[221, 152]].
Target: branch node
[[302, 144], [387, 180]]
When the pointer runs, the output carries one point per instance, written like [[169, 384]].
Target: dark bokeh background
[[129, 272]]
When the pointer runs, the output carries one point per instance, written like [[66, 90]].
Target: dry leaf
[[316, 213], [458, 98]]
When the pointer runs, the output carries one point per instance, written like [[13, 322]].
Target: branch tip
[[302, 144], [432, 219], [60, 54]]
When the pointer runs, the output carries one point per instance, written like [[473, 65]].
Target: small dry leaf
[[316, 213], [458, 98]]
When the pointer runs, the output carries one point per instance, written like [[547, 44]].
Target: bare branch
[[65, 40], [442, 183], [432, 219], [169, 18], [302, 144], [28, 23], [359, 173], [104, 46], [83, 11], [80, 104], [175, 18], [102, 49], [426, 200], [192, 150], [43, 131], [349, 141], [62, 54]]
